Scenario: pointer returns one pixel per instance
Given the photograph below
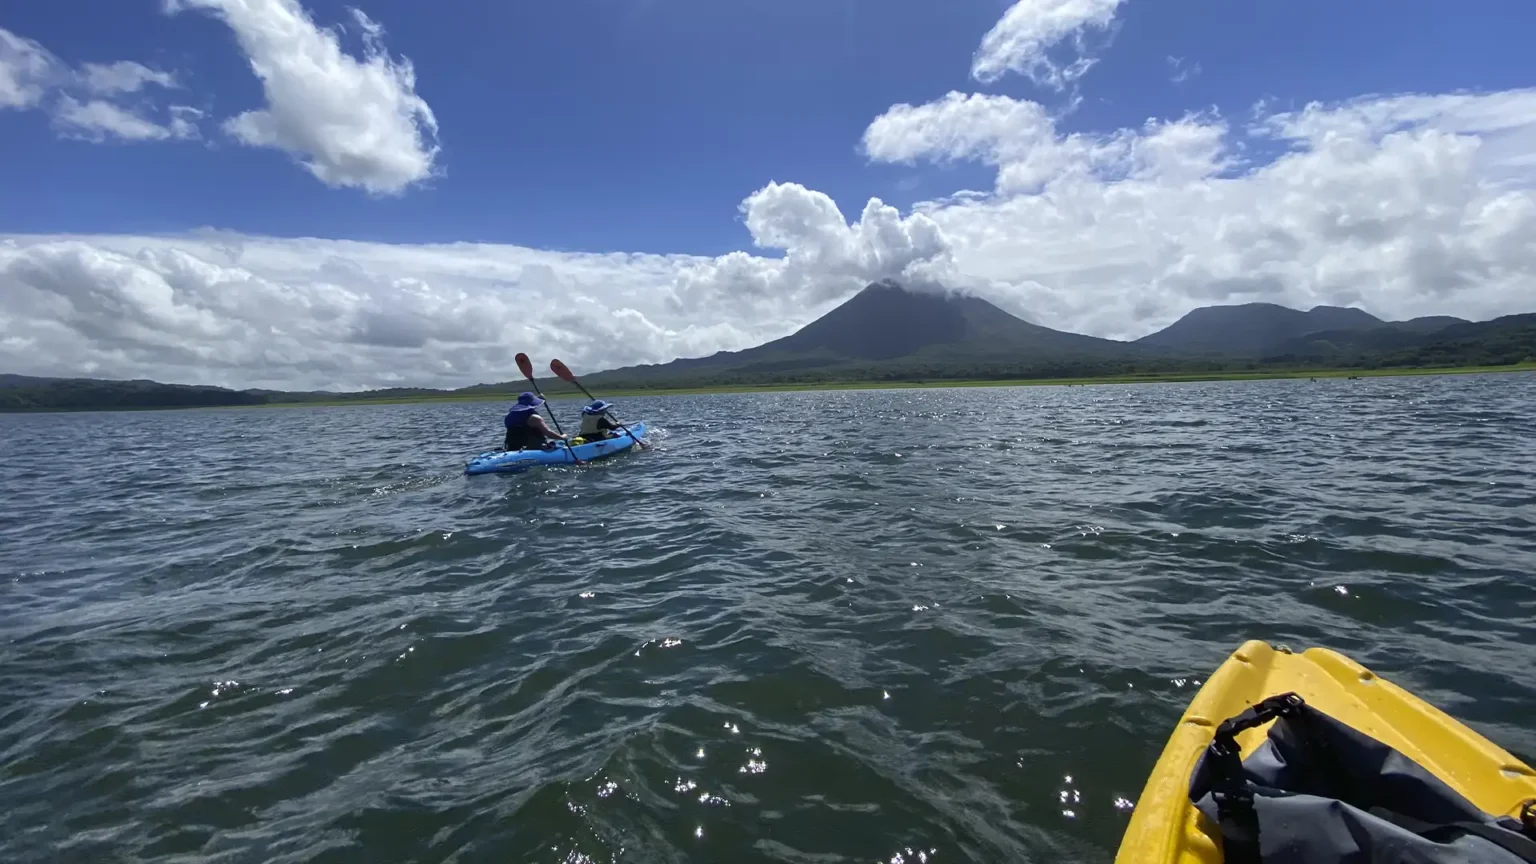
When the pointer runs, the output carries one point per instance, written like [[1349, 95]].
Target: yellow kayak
[[1167, 826]]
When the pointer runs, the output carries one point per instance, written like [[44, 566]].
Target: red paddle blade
[[525, 365], [560, 369]]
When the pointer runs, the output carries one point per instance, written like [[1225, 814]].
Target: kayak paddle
[[526, 367], [564, 372]]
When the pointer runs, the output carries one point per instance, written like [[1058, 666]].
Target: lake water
[[894, 626]]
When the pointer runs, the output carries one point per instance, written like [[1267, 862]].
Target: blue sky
[[639, 126], [650, 179]]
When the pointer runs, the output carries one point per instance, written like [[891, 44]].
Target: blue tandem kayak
[[513, 461]]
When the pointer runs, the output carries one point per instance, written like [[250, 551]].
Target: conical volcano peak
[[892, 288], [887, 320]]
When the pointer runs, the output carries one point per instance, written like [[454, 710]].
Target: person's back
[[595, 422], [525, 428]]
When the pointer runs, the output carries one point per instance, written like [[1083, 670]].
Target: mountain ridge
[[888, 333], [1248, 329]]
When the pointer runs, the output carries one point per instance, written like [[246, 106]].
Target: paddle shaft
[[547, 407], [528, 372], [589, 395]]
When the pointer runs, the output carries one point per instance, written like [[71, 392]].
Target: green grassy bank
[[1150, 378]]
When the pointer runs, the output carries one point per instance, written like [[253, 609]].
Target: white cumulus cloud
[[253, 311], [27, 71], [1405, 205], [124, 76], [825, 253], [99, 120], [32, 77], [1021, 41], [351, 122]]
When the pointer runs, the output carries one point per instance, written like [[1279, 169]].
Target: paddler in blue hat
[[526, 429], [595, 422]]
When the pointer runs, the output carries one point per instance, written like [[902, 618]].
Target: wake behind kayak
[[514, 461]]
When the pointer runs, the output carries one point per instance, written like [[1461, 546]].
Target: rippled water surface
[[895, 626]]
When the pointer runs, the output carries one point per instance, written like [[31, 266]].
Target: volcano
[[887, 323]]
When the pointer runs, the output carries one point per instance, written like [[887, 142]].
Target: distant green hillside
[[86, 394], [886, 333]]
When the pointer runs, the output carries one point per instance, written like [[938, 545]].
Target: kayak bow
[[1351, 719]]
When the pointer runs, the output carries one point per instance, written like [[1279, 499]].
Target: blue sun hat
[[598, 407], [523, 410]]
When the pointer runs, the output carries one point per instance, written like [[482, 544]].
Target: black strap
[[1516, 844], [1528, 818], [1234, 800]]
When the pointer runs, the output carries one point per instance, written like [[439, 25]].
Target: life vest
[[519, 434], [594, 425]]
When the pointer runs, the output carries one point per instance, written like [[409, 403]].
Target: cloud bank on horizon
[[1407, 204]]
